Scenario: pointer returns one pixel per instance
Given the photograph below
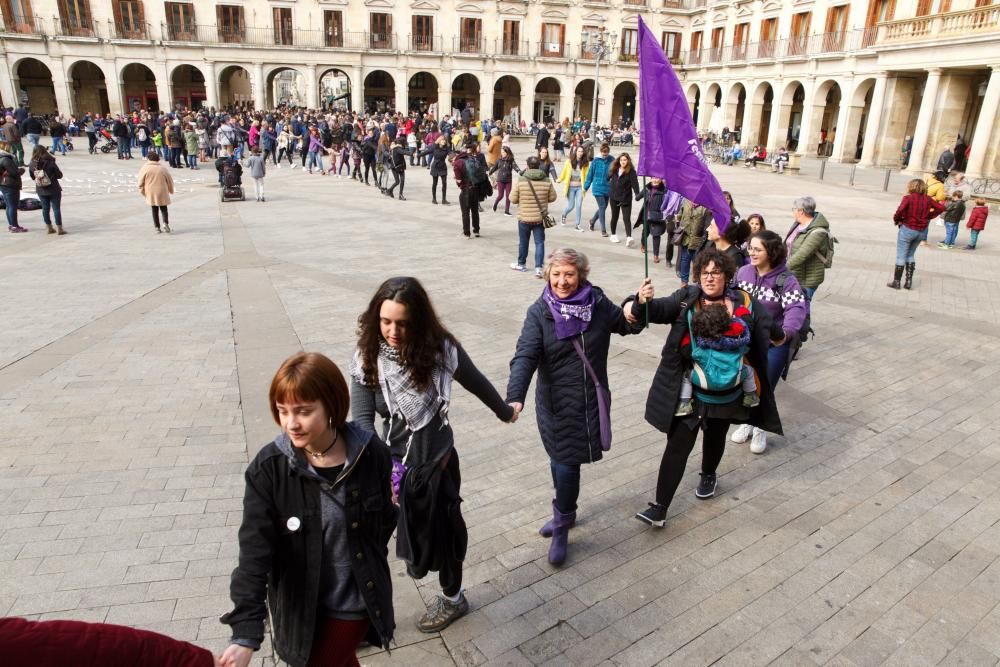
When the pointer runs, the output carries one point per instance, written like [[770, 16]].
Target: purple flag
[[669, 146]]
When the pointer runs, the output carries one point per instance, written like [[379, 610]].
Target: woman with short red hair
[[317, 517]]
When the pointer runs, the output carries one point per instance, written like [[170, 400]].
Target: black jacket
[[622, 187], [368, 149], [10, 172], [282, 567], [664, 394], [565, 397], [505, 168], [542, 140], [51, 170], [398, 158], [439, 159], [432, 531], [32, 126]]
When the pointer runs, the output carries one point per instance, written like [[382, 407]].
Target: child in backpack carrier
[[725, 335]]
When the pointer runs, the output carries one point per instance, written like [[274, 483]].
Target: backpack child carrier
[[716, 374]]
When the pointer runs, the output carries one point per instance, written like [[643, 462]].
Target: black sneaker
[[655, 515], [706, 487]]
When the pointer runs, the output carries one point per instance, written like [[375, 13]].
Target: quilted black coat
[[565, 397]]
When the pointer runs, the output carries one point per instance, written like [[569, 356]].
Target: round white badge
[[293, 524]]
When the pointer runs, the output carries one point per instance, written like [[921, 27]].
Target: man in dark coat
[[542, 138]]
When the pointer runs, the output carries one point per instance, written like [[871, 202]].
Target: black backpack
[[474, 170], [804, 332]]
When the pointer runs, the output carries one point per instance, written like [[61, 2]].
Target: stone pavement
[[133, 378]]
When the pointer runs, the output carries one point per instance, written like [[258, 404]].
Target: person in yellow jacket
[[936, 191], [574, 175]]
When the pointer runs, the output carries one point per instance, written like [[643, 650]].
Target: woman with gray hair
[[565, 338]]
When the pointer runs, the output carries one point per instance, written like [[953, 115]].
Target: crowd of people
[[324, 498]]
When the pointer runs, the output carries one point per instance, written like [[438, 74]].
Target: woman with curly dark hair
[[403, 370]]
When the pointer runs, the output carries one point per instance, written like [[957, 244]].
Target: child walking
[[977, 222], [712, 328], [953, 214], [258, 170]]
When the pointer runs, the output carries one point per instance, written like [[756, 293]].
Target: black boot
[[895, 278], [910, 268]]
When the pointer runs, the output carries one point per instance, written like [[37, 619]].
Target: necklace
[[319, 455]]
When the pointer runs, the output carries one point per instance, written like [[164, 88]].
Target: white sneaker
[[628, 242], [614, 238], [759, 441], [742, 433]]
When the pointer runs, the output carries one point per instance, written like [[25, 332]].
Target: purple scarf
[[572, 315]]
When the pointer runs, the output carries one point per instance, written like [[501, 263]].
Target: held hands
[[517, 411], [235, 656], [645, 292]]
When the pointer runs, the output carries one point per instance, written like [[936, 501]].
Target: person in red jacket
[[912, 217], [25, 643], [977, 222]]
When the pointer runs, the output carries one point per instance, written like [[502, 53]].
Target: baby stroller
[[232, 183], [109, 141]]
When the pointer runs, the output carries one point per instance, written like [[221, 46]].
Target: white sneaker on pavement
[[614, 238], [742, 433], [628, 241], [759, 441]]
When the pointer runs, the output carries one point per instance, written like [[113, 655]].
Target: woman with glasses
[[713, 411], [767, 279]]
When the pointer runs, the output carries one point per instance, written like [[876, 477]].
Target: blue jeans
[[809, 292], [33, 140], [58, 145], [574, 200], [315, 158], [599, 215], [53, 201], [777, 357], [973, 237], [566, 480], [684, 264], [192, 160], [906, 244], [524, 233], [950, 233], [10, 199]]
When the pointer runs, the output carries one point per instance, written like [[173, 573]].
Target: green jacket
[[802, 260], [694, 221]]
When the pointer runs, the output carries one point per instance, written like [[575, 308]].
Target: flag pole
[[645, 236]]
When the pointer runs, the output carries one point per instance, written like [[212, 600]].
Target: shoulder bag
[[603, 399], [547, 219]]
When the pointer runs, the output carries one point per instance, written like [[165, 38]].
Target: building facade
[[852, 80]]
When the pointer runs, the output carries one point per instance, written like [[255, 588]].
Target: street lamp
[[600, 42]]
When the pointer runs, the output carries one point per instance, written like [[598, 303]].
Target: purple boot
[[546, 530], [560, 535]]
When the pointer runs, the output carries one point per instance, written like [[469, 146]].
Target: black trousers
[[626, 211], [444, 188], [157, 210], [399, 178], [370, 169], [680, 442], [450, 573], [468, 200]]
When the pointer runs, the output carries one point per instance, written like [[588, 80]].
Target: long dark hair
[[573, 160], [425, 335], [616, 165]]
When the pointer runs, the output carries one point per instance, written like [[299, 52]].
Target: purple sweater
[[788, 308]]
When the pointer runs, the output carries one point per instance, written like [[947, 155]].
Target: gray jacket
[[257, 167]]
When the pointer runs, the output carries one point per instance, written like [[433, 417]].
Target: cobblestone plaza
[[133, 376]]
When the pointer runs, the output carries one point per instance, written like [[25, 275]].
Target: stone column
[[259, 98], [809, 114], [777, 111], [845, 141], [61, 83], [747, 129], [604, 118], [566, 97], [982, 139], [402, 87], [874, 118], [357, 89], [924, 121], [114, 87], [8, 89], [164, 91], [312, 87], [211, 85]]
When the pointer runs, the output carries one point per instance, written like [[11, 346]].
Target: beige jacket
[[156, 184], [533, 180]]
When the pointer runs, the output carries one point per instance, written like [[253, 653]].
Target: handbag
[[42, 179], [547, 219], [603, 399]]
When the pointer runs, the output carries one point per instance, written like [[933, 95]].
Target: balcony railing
[[128, 30], [80, 26], [551, 49], [385, 41], [513, 47], [434, 43], [32, 26], [627, 57], [469, 45], [952, 25], [673, 4]]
